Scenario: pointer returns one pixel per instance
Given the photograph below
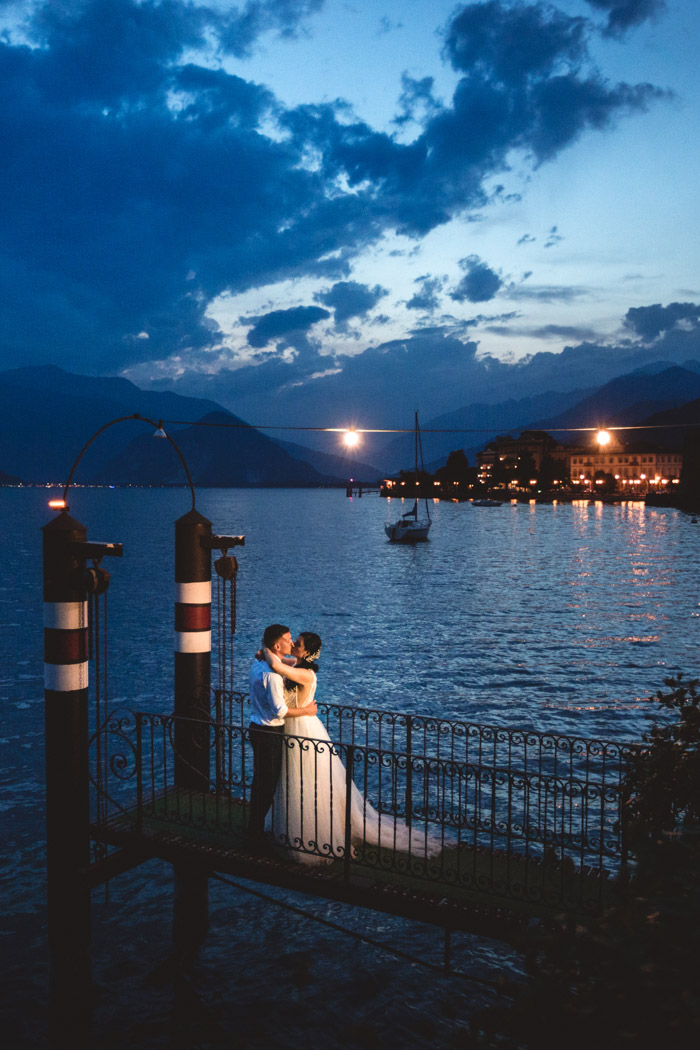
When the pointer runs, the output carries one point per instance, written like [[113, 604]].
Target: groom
[[268, 712]]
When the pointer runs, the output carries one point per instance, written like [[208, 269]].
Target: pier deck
[[463, 888]]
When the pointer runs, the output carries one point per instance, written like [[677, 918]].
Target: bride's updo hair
[[312, 644]]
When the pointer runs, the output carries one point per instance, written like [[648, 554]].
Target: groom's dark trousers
[[267, 742]]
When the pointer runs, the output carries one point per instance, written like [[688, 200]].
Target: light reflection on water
[[564, 618]]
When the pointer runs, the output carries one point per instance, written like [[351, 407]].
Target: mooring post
[[192, 701], [67, 776]]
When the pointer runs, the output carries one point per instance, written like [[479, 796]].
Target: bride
[[309, 809]]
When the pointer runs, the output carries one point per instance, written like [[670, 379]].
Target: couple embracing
[[299, 781]]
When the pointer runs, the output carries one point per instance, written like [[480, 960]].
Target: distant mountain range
[[654, 396], [47, 415], [627, 401], [472, 426]]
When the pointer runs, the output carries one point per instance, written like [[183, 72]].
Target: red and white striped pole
[[192, 701], [67, 770], [192, 648]]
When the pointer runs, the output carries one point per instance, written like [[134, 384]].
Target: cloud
[[416, 99], [479, 284], [514, 43], [436, 370], [547, 293], [384, 382], [526, 238], [650, 321], [387, 26], [283, 323], [428, 296], [350, 299], [623, 14], [146, 180], [561, 331], [548, 331], [527, 83], [553, 237], [240, 30]]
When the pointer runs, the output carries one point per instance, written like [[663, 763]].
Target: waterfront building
[[510, 461], [633, 467]]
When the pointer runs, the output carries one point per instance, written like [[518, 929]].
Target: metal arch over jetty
[[527, 824]]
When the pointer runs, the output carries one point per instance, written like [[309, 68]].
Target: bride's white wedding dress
[[308, 812]]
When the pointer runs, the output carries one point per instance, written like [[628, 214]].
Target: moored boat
[[412, 527]]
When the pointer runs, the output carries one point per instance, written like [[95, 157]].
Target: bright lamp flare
[[603, 437], [351, 438]]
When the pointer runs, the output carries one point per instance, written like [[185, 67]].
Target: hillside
[[217, 454], [47, 415]]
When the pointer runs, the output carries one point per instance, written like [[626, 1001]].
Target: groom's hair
[[273, 633]]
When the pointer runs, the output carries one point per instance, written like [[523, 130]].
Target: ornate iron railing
[[520, 784], [512, 814]]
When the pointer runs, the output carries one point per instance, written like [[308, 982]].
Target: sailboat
[[412, 527]]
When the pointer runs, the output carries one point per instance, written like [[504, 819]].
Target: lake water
[[559, 617]]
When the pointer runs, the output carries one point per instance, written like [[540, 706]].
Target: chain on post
[[95, 584], [226, 570]]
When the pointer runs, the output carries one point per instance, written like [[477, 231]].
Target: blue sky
[[318, 211]]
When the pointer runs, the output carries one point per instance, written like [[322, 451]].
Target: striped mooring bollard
[[67, 770], [192, 701]]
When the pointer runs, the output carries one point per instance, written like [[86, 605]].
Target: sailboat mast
[[419, 447], [415, 435]]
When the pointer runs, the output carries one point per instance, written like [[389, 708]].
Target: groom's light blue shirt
[[267, 706]]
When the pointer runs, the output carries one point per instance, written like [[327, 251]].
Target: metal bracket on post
[[221, 543], [90, 549]]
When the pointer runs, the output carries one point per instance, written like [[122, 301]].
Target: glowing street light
[[351, 438], [603, 438]]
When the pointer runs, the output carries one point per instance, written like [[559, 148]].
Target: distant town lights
[[603, 438]]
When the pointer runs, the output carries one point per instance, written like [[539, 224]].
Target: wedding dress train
[[309, 809]]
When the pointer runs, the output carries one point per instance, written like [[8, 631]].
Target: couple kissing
[[298, 795]]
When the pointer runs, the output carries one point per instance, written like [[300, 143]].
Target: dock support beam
[[67, 778], [192, 701]]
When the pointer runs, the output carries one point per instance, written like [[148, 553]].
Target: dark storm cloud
[[650, 321], [350, 299], [623, 14], [139, 183], [479, 284], [280, 323]]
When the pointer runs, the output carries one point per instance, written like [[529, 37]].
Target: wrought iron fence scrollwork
[[516, 811], [121, 763]]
